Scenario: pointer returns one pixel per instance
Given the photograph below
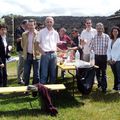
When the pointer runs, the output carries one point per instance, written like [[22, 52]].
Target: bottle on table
[[77, 58], [92, 58]]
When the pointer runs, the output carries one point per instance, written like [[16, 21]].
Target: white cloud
[[59, 7]]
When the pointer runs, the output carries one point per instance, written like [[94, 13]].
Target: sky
[[59, 7]]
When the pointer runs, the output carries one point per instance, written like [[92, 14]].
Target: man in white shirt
[[86, 36], [48, 38]]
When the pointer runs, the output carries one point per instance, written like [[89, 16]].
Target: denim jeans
[[113, 67], [116, 72], [27, 68], [48, 68], [20, 66]]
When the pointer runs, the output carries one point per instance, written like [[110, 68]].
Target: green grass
[[96, 106]]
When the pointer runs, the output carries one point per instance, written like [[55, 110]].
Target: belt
[[29, 53], [50, 52]]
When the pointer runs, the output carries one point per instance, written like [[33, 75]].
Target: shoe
[[115, 88], [32, 88], [26, 93], [21, 82], [95, 82], [99, 88], [104, 91], [34, 94]]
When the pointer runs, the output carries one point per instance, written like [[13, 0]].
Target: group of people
[[39, 48]]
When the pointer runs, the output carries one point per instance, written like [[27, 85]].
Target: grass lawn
[[96, 106]]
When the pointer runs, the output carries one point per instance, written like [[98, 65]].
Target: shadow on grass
[[12, 82], [61, 99], [102, 97], [64, 99], [15, 98], [108, 97], [23, 112]]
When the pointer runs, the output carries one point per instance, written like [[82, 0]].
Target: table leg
[[73, 77]]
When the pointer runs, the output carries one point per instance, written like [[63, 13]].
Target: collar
[[49, 30], [88, 30], [3, 37], [34, 32], [100, 35]]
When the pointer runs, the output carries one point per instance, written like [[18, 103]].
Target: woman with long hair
[[113, 55]]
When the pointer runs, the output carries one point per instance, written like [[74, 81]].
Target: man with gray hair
[[99, 45], [48, 38]]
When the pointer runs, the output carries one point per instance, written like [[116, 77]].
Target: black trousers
[[101, 62], [3, 76]]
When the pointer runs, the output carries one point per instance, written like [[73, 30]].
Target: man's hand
[[9, 47], [2, 65], [111, 62], [83, 42], [19, 39]]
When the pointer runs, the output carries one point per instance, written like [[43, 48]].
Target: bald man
[[48, 38]]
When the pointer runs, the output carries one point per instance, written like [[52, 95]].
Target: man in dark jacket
[[76, 45], [18, 37]]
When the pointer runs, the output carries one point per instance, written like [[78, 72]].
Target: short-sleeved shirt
[[87, 35], [48, 39], [67, 41], [100, 44]]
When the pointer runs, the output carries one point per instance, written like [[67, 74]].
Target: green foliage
[[2, 20], [13, 52]]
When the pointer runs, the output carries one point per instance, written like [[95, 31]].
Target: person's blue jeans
[[48, 68], [27, 68], [20, 67], [116, 72]]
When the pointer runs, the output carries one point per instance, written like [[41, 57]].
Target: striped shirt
[[100, 44]]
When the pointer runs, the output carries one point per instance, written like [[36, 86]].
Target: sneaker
[[21, 82], [115, 88], [99, 88], [34, 94], [26, 93], [95, 82]]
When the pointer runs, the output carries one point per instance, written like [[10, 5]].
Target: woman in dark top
[[4, 49]]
